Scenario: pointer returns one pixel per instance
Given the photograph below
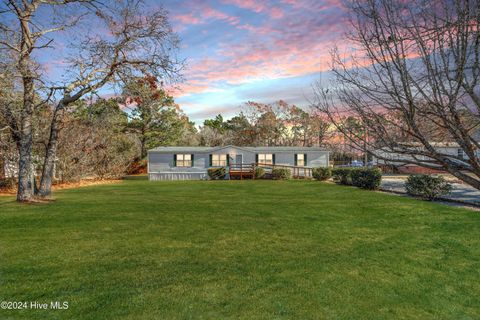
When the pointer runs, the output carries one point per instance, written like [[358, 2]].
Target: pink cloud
[[211, 13], [290, 47], [187, 19], [254, 29], [191, 87], [258, 7], [276, 13], [205, 15]]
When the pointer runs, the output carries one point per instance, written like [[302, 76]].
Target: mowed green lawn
[[239, 250]]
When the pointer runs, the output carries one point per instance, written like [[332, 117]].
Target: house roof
[[181, 149], [286, 148], [251, 149]]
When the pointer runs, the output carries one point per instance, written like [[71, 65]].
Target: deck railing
[[246, 167], [298, 172], [247, 170], [241, 170]]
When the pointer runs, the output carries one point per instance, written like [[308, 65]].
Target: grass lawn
[[239, 250]]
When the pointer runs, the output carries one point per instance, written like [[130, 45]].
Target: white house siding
[[163, 162], [314, 158], [161, 167], [248, 156], [317, 159]]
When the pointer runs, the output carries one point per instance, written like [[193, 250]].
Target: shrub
[[366, 178], [217, 173], [427, 187], [259, 172], [322, 174], [281, 174], [137, 167], [8, 183], [342, 175]]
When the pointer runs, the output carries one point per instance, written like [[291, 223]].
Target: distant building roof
[[251, 149], [447, 144]]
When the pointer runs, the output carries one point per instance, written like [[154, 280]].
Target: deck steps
[[241, 171]]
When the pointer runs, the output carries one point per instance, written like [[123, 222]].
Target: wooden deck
[[242, 171], [247, 170]]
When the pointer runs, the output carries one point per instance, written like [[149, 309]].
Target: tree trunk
[[143, 142], [3, 173], [365, 153], [25, 190], [45, 189], [25, 187]]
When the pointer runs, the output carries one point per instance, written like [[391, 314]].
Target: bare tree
[[134, 40], [10, 98], [269, 121], [320, 128], [93, 143], [412, 82]]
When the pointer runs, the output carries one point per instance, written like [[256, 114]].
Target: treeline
[[103, 138], [283, 124], [108, 138], [275, 124], [40, 97]]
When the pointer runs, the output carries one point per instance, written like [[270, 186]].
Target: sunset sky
[[241, 50]]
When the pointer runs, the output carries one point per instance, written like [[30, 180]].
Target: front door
[[239, 158]]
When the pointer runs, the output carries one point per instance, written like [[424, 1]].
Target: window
[[219, 160], [300, 160], [265, 158], [184, 160], [460, 153]]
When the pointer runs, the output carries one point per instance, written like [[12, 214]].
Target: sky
[[244, 50], [238, 51]]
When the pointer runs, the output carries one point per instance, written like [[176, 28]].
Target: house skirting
[[414, 169], [155, 176]]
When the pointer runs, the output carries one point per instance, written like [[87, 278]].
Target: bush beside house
[[137, 167], [342, 176], [281, 174], [427, 187], [322, 174], [217, 173], [365, 178], [259, 173]]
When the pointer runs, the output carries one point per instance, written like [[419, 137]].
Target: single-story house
[[192, 163], [395, 159]]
